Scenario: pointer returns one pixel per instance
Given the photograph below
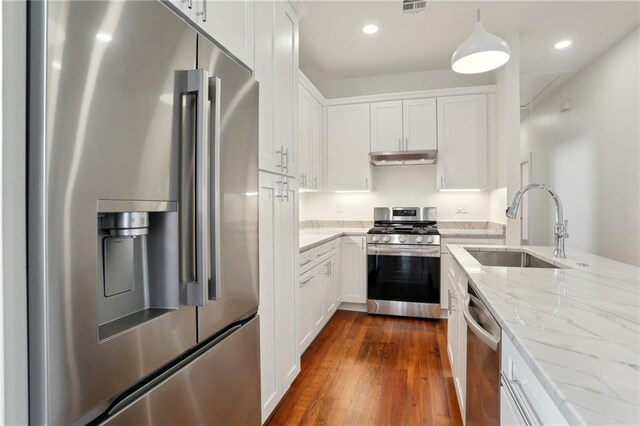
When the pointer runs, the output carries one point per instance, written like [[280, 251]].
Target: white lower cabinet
[[523, 400], [279, 359], [457, 330], [318, 291], [354, 277]]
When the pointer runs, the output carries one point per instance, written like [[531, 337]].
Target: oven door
[[403, 280]]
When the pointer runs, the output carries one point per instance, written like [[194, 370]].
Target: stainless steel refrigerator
[[143, 220]]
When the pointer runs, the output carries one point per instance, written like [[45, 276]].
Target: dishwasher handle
[[487, 338]]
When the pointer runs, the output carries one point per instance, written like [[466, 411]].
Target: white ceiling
[[333, 46]]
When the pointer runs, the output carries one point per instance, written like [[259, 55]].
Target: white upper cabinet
[[462, 142], [309, 143], [420, 124], [230, 23], [303, 147], [285, 85], [275, 69], [386, 126], [409, 125], [348, 151]]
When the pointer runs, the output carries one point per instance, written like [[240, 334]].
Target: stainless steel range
[[403, 257]]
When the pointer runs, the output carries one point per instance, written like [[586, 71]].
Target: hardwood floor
[[373, 370]]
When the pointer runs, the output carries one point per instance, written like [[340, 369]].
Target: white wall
[[395, 186], [591, 155], [402, 82]]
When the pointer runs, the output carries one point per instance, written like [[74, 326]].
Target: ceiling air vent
[[414, 6]]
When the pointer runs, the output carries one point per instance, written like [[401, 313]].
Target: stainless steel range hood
[[403, 158]]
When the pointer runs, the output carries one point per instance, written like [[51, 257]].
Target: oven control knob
[[429, 240], [376, 238], [419, 239], [402, 238], [386, 238]]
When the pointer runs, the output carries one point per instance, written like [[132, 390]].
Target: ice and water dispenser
[[138, 269]]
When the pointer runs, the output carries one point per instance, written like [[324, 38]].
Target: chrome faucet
[[560, 229]]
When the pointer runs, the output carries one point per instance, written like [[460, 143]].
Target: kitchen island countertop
[[577, 328]]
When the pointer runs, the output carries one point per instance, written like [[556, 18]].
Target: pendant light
[[481, 52]]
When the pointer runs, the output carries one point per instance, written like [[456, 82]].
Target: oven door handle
[[421, 251]]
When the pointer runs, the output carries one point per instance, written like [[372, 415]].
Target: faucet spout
[[560, 229]]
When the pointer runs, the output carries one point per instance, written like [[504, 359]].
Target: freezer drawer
[[219, 387]]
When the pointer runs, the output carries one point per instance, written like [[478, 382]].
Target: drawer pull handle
[[305, 282], [307, 262], [326, 252], [521, 403]]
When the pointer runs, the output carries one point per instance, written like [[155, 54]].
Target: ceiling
[[333, 46]]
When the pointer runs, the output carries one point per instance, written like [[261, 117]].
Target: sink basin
[[510, 259]]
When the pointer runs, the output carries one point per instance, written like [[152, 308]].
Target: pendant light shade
[[481, 52]]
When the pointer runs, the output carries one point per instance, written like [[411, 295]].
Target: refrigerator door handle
[[189, 82], [215, 287]]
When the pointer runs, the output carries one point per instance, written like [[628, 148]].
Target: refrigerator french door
[[142, 227]]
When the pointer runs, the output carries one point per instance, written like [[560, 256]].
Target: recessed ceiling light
[[563, 44], [370, 29]]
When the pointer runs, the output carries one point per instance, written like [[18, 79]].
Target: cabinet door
[[354, 282], [316, 145], [329, 289], [184, 6], [305, 130], [348, 139], [230, 23], [420, 124], [462, 142], [269, 365], [285, 83], [264, 28], [318, 284], [386, 126], [335, 272], [287, 240], [452, 329], [303, 312]]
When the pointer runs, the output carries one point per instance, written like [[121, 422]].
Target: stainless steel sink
[[510, 259]]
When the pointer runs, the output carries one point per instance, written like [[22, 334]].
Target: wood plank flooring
[[373, 370]]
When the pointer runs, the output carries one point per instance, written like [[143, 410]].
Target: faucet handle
[[561, 229], [566, 226]]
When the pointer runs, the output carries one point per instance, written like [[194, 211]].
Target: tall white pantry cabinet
[[276, 69]]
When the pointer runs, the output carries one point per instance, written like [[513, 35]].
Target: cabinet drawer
[[311, 258], [527, 392]]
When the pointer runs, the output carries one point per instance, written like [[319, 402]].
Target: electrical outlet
[[461, 208]]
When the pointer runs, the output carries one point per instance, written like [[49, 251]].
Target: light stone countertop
[[578, 329], [314, 237], [470, 233]]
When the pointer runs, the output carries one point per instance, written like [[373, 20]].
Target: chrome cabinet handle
[[280, 152], [187, 82], [306, 263], [280, 195], [215, 286], [326, 252], [285, 190], [449, 310], [406, 143], [285, 159], [305, 282], [399, 144], [203, 12], [521, 403]]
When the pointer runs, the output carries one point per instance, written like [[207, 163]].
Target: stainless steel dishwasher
[[483, 363]]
